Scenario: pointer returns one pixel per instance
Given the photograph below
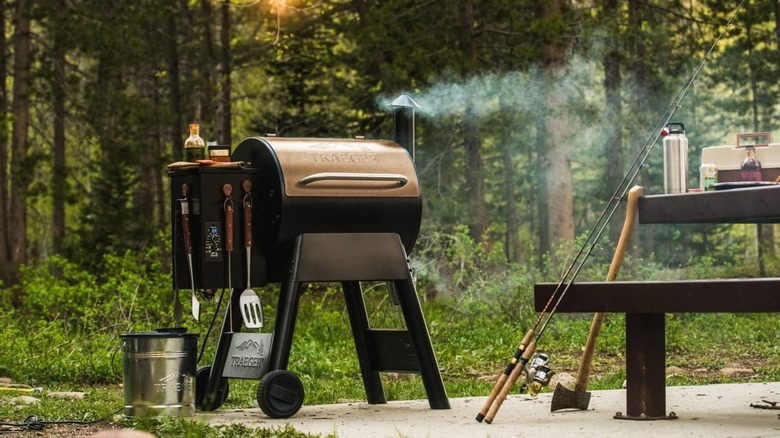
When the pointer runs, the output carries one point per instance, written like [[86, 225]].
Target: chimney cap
[[403, 101]]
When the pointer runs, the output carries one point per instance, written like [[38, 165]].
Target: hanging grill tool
[[251, 306], [227, 207], [185, 225]]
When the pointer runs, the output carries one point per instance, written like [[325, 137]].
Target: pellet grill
[[320, 210]]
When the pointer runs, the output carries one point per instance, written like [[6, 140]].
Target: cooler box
[[728, 159]]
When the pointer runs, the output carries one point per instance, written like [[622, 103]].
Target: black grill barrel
[[403, 122], [328, 185]]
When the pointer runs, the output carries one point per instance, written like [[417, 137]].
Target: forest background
[[530, 112]]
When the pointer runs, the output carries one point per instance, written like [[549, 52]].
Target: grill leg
[[286, 312], [421, 341], [358, 319]]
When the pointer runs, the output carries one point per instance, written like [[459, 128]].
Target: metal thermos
[[675, 159]]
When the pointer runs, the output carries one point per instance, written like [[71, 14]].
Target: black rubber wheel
[[201, 378], [280, 394]]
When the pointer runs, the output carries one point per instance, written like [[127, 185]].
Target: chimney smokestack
[[403, 122]]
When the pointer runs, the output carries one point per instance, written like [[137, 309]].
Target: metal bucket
[[159, 372]]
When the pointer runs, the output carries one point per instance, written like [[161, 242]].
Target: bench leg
[[645, 368]]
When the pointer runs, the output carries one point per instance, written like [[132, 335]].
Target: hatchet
[[579, 398]]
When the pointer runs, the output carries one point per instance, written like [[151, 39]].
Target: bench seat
[[645, 305]]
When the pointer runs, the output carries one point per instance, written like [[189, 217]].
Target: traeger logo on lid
[[364, 153]]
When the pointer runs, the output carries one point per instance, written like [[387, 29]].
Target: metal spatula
[[251, 306], [185, 222]]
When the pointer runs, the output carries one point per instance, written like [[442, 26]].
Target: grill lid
[[344, 167]]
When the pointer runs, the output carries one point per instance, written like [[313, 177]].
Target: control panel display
[[212, 244]]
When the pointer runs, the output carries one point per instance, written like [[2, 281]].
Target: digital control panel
[[212, 243]]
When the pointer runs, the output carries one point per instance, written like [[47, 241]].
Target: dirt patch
[[61, 430]]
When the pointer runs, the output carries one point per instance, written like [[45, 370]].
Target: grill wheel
[[280, 394]]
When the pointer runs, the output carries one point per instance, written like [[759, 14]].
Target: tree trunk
[[472, 141], [556, 178], [772, 228], [59, 174], [145, 194], [205, 109], [637, 50], [225, 68], [765, 236], [176, 126], [508, 140], [543, 198], [514, 253], [21, 167], [5, 244], [474, 175], [612, 87]]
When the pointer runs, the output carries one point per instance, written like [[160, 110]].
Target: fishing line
[[526, 347], [628, 179]]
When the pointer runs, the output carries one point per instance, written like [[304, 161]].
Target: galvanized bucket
[[159, 372]]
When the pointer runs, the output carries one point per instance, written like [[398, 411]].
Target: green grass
[[471, 352], [68, 341]]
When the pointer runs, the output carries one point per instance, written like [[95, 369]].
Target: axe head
[[565, 398]]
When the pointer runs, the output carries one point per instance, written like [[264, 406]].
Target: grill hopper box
[[298, 186]]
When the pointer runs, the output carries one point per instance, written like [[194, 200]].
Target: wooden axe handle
[[581, 383]]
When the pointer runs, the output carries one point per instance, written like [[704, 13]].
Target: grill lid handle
[[401, 180]]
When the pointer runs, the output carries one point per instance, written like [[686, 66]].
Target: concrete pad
[[702, 411]]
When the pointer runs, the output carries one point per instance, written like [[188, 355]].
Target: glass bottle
[[194, 146], [750, 170]]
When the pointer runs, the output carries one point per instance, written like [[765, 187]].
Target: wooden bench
[[646, 303]]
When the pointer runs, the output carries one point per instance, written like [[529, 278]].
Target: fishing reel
[[537, 375]]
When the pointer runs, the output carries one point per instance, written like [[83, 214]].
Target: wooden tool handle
[[185, 225], [511, 380], [246, 185], [227, 190], [185, 218], [583, 374], [628, 226]]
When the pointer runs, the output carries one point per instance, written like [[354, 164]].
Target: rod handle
[[502, 378], [511, 380]]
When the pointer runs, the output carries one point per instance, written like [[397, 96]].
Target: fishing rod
[[527, 346]]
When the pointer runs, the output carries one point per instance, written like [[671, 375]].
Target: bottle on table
[[750, 170], [194, 146]]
